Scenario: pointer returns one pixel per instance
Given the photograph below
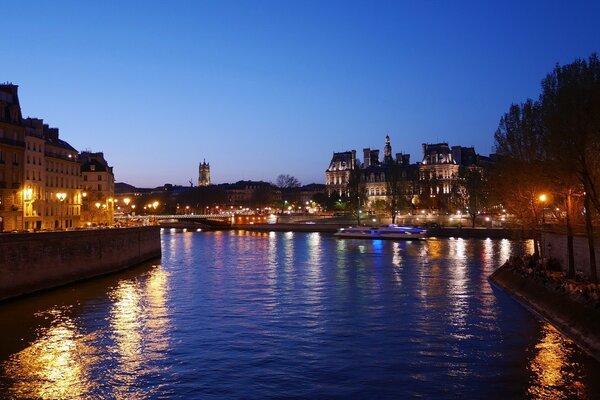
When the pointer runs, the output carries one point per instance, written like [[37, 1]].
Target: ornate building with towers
[[434, 178], [204, 174]]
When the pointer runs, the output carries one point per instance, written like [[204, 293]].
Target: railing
[[12, 142], [175, 216]]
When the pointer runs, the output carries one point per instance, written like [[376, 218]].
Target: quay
[[576, 316], [31, 262]]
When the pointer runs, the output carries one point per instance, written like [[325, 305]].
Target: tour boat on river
[[383, 232]]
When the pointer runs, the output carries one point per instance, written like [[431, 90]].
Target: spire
[[387, 150]]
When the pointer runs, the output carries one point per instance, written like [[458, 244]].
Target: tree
[[571, 111], [356, 191], [287, 182], [473, 190], [519, 172], [396, 188]]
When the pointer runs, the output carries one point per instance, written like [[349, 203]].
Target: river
[[238, 314]]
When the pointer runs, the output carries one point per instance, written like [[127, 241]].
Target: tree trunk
[[590, 234], [570, 251], [473, 218]]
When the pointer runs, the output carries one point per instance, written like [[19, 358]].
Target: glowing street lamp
[[61, 197], [543, 198]]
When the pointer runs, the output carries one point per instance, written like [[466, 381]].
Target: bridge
[[193, 220]]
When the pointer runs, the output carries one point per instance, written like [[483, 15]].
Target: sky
[[263, 88]]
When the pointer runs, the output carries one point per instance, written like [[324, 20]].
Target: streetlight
[[543, 198], [61, 197]]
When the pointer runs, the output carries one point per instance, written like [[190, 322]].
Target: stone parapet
[[31, 262]]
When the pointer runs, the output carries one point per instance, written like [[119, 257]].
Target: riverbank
[[573, 307], [31, 262], [481, 233]]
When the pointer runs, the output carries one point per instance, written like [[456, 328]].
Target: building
[[204, 174], [63, 176], [429, 183], [34, 188], [98, 184], [251, 193], [12, 151], [41, 177], [337, 175]]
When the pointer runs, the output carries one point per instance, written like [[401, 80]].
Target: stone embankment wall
[[555, 246], [574, 319], [30, 262]]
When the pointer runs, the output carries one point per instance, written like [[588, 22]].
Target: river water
[[292, 315]]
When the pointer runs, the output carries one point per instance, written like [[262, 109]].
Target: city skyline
[[259, 89]]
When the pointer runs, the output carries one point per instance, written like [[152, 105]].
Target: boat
[[383, 232], [357, 232], [401, 232]]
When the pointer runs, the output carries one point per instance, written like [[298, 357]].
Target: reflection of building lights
[[54, 366], [551, 368]]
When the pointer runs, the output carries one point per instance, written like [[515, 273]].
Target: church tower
[[204, 174]]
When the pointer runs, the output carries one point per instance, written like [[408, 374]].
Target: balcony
[[12, 142]]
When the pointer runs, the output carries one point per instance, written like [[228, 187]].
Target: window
[[99, 177]]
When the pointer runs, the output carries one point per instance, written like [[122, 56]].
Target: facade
[[250, 193], [63, 175], [429, 183], [40, 174], [98, 184], [337, 175], [204, 174], [12, 151], [34, 190]]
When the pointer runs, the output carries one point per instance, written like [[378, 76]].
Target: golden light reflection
[[434, 249], [55, 366], [139, 321], [553, 371], [125, 320], [505, 249]]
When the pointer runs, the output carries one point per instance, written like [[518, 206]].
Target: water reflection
[[241, 315], [71, 350], [554, 373], [57, 365]]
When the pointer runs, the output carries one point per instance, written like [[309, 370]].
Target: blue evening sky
[[262, 88]]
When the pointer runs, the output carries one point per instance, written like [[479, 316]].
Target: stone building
[[373, 171], [337, 175], [98, 184], [428, 183], [204, 174], [12, 150], [63, 177], [40, 174]]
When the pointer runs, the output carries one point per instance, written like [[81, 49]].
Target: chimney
[[367, 157]]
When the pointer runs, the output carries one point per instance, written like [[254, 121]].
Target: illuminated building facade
[[204, 174], [434, 178], [12, 150], [98, 184], [337, 175]]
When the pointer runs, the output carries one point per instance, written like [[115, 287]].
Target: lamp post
[[27, 196], [127, 200], [543, 198], [61, 197]]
